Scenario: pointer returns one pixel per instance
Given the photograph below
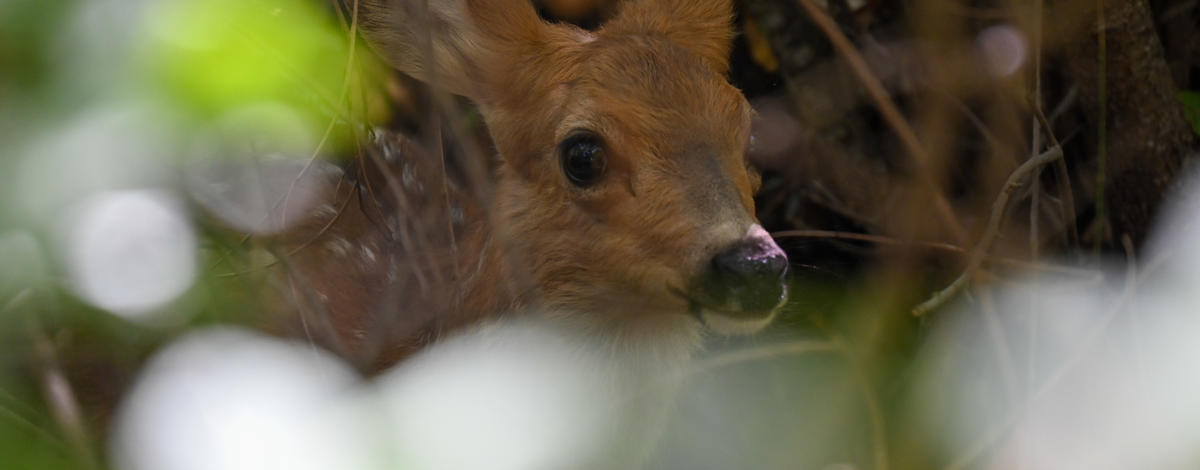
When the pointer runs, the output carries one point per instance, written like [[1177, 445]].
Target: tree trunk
[[1145, 136]]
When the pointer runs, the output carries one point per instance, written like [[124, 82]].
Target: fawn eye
[[583, 159]]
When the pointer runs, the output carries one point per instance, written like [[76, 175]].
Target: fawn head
[[623, 188]]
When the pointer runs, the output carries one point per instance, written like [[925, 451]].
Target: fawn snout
[[750, 275], [744, 285]]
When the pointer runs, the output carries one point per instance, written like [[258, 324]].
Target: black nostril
[[749, 276], [750, 260]]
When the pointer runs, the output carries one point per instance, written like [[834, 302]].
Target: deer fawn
[[622, 199]]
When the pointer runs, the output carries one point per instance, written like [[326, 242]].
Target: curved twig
[[995, 220]]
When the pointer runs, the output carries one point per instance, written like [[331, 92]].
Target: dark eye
[[583, 159]]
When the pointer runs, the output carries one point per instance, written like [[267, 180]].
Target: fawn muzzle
[[747, 280]]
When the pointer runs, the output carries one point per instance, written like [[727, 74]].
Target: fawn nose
[[749, 277]]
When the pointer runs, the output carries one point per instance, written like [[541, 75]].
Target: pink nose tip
[[751, 273]]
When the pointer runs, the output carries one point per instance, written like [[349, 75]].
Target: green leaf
[[1191, 108]]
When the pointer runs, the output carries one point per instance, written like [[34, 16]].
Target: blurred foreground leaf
[[215, 55]]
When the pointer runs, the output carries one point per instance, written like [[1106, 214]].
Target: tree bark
[[1145, 135]]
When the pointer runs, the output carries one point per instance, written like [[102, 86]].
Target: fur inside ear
[[702, 26], [429, 44], [447, 42]]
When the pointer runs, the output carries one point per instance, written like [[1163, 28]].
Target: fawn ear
[[447, 42], [702, 26]]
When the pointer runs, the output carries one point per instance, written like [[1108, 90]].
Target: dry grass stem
[[887, 108], [342, 98], [767, 351], [60, 396]]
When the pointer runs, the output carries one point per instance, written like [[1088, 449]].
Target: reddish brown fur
[[613, 256]]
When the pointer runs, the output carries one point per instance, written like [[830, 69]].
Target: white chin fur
[[726, 325]]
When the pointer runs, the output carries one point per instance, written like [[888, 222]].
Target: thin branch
[[882, 240], [437, 149], [1101, 224], [877, 239], [1060, 173], [1035, 212], [995, 220]]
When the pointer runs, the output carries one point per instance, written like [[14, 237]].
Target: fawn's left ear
[[702, 26], [454, 44]]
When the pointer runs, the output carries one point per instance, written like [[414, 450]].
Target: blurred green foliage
[[28, 28], [28, 438], [1191, 108], [212, 74], [214, 55]]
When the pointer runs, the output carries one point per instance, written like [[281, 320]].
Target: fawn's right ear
[[446, 42], [703, 26]]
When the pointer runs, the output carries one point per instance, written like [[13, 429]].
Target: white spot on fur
[[338, 246]]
